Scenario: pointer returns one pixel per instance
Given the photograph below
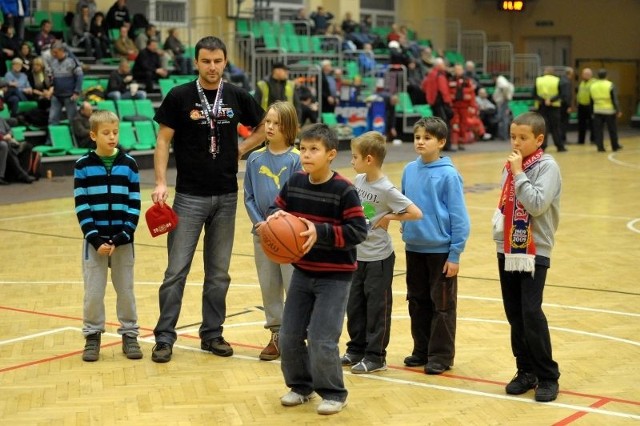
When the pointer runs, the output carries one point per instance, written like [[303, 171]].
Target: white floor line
[[36, 335]]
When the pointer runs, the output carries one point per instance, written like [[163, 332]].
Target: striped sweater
[[335, 209], [107, 202]]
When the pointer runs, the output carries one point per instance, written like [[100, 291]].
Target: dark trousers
[[530, 339], [369, 309], [552, 121], [433, 304], [444, 111], [599, 120], [585, 123]]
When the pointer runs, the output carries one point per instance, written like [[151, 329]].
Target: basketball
[[280, 238]]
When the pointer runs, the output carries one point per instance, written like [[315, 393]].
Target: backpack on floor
[[31, 161]]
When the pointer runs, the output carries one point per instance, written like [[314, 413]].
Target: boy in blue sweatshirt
[[106, 189], [433, 247]]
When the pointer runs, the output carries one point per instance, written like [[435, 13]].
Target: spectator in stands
[[366, 32], [566, 101], [471, 73], [606, 109], [366, 59], [349, 25], [329, 87], [502, 94], [585, 107], [44, 39], [487, 111], [277, 87], [142, 40], [414, 83], [8, 41], [81, 128], [82, 35], [122, 85], [147, 68], [14, 12], [427, 59], [118, 14], [67, 82], [308, 105], [124, 46], [174, 47], [42, 88], [98, 29], [436, 88], [302, 23], [18, 88], [26, 55], [236, 75], [547, 94], [91, 4], [394, 34], [9, 160], [321, 20], [397, 55]]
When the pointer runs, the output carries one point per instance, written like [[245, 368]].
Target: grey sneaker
[[329, 406], [368, 366], [161, 352], [350, 359], [291, 399], [130, 347], [217, 346], [91, 350]]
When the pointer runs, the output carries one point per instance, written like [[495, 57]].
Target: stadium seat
[[61, 143], [145, 135], [107, 105], [144, 108]]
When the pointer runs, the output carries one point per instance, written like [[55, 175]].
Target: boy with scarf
[[528, 214]]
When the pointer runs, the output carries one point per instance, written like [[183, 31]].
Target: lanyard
[[210, 115]]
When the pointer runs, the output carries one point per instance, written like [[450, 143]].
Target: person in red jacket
[[436, 87]]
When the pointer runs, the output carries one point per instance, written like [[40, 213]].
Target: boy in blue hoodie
[[433, 247]]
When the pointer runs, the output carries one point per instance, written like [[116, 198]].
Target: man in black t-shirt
[[201, 119]]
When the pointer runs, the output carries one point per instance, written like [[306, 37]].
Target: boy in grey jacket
[[528, 214]]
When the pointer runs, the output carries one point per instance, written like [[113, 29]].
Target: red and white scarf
[[519, 247]]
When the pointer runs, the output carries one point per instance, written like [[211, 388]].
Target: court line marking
[[611, 157], [36, 335], [577, 408], [631, 225]]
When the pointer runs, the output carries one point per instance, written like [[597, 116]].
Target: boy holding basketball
[[267, 170], [107, 201], [317, 298], [527, 215], [433, 247], [370, 298]]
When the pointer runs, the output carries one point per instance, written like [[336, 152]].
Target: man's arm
[[160, 162], [256, 138]]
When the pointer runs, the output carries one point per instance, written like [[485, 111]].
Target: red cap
[[161, 220]]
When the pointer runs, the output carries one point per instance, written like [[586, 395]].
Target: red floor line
[[189, 336], [580, 414]]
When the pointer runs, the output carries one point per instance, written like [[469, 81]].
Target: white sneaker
[[292, 399], [329, 406]]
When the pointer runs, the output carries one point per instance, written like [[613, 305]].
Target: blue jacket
[[107, 203], [436, 188], [10, 7], [67, 76]]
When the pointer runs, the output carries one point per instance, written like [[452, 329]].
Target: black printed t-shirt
[[198, 172]]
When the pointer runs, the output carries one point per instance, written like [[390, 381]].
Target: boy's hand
[[382, 223], [106, 249], [310, 233], [515, 160], [450, 269], [258, 227]]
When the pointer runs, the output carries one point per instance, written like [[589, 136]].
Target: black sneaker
[[130, 347], [91, 350], [161, 352], [414, 361], [217, 346], [521, 383], [435, 368], [547, 390], [350, 359], [368, 366]]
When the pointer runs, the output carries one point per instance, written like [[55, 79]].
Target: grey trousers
[[94, 270]]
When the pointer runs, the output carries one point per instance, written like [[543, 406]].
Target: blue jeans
[[56, 109], [217, 215], [314, 311]]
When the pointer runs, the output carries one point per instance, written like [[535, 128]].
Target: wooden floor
[[592, 302]]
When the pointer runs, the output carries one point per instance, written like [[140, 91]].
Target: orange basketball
[[280, 238]]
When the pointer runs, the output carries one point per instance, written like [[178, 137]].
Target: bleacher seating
[[61, 143]]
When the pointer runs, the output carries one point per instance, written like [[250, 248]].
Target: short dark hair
[[602, 73], [322, 133], [434, 126], [210, 43], [533, 120]]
